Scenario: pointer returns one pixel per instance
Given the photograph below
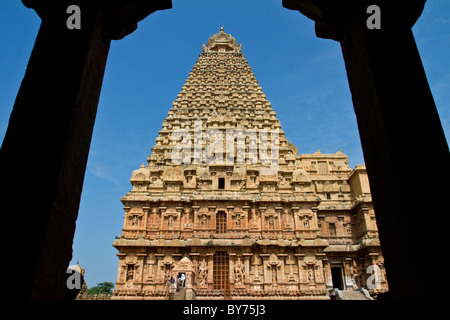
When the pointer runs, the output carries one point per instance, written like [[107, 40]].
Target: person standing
[[172, 282], [183, 279]]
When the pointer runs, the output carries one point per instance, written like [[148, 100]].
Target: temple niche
[[235, 227]]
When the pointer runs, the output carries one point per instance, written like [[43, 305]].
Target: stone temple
[[240, 223]]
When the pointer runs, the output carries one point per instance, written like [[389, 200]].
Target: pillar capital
[[378, 58], [120, 16], [332, 17]]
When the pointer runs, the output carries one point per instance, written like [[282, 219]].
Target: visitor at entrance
[[178, 283], [172, 282], [183, 279]]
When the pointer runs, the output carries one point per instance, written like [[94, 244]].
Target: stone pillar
[[246, 263], [189, 284], [232, 274], [328, 278], [52, 121], [159, 277], [295, 213], [210, 259], [188, 223], [140, 263], [50, 128], [301, 274], [146, 218], [279, 211], [282, 260], [195, 264], [213, 217], [314, 221], [154, 219], [262, 218], [364, 212], [396, 114], [246, 222], [266, 271], [121, 272], [162, 210], [320, 275], [196, 221], [125, 216], [179, 215], [230, 218]]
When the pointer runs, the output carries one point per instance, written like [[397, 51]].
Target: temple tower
[[227, 200]]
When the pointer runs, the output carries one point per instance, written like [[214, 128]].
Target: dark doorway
[[221, 271], [222, 183], [336, 275]]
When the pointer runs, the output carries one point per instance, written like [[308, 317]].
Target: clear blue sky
[[303, 77]]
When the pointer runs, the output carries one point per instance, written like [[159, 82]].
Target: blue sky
[[302, 76]]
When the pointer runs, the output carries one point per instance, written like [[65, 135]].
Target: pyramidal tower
[[226, 201]]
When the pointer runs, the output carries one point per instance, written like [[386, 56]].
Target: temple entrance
[[336, 275], [221, 271]]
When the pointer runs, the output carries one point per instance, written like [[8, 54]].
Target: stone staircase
[[180, 295], [351, 295]]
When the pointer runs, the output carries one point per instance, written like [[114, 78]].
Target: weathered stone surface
[[283, 231]]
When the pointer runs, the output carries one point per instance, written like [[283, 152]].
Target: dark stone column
[[400, 130], [44, 153]]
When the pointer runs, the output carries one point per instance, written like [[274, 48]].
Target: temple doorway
[[336, 275], [221, 271]]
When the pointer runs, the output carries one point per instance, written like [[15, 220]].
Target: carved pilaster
[[196, 219], [162, 211]]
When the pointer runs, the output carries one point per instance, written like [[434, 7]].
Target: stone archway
[[185, 266], [72, 63]]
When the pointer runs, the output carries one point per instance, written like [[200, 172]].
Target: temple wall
[[207, 195]]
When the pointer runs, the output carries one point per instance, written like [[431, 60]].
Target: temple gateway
[[226, 200]]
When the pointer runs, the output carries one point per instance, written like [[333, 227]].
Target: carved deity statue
[[202, 273], [306, 222], [122, 272], [130, 273], [239, 270], [238, 221], [274, 274], [271, 222], [348, 228], [135, 221], [310, 275], [203, 220], [170, 222]]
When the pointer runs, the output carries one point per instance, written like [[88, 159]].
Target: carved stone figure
[[274, 274], [130, 273], [311, 275], [238, 221], [305, 222], [202, 273], [135, 221], [239, 271], [170, 222], [271, 223]]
